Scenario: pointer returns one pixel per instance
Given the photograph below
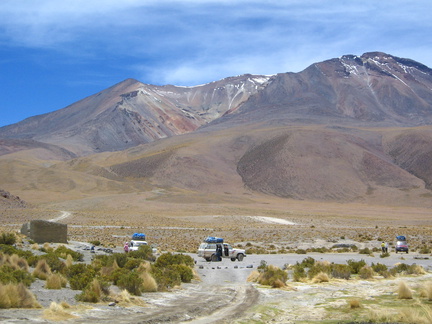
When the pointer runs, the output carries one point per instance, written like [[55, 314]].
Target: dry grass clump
[[42, 270], [108, 270], [354, 303], [17, 296], [34, 246], [253, 276], [149, 283], [18, 263], [366, 272], [93, 293], [69, 261], [321, 277], [126, 299], [404, 292], [426, 291], [55, 281], [57, 312]]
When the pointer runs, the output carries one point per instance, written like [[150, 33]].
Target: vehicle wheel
[[240, 257], [233, 259], [207, 259], [214, 258], [407, 252]]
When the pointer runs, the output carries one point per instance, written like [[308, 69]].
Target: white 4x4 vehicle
[[134, 245], [208, 251]]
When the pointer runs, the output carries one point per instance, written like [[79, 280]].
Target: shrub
[[365, 251], [166, 278], [55, 281], [8, 238], [95, 243], [308, 262], [379, 268], [366, 272], [144, 252], [62, 251], [168, 259], [133, 264], [300, 251], [9, 249], [299, 273], [131, 281], [317, 268], [384, 255], [8, 274], [356, 265], [94, 292], [424, 250], [17, 296], [42, 270], [80, 275], [272, 276], [404, 292], [341, 271], [18, 262]]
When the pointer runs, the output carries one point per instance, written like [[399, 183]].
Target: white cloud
[[192, 41]]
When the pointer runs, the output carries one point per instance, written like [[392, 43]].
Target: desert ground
[[270, 230]]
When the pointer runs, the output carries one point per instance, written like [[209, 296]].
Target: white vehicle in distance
[[134, 245], [213, 249]]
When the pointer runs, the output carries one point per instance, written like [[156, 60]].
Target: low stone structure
[[42, 231]]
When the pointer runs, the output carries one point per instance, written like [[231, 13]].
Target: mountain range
[[354, 128]]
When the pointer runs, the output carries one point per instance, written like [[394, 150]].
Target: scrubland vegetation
[[135, 272]]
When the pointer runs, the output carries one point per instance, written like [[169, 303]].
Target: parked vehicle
[[138, 239], [401, 244], [214, 249]]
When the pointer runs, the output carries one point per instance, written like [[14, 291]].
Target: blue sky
[[53, 53]]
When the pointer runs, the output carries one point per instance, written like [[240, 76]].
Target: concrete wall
[[42, 231]]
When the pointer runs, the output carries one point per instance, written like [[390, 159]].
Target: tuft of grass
[[426, 292], [321, 277], [55, 281], [57, 312], [149, 283], [404, 292], [17, 296], [354, 303], [366, 272], [42, 270]]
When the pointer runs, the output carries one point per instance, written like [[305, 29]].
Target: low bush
[[299, 273], [365, 251], [144, 252], [8, 238], [80, 275], [62, 251], [384, 255], [301, 251], [366, 272], [356, 265], [95, 292], [166, 278], [379, 268], [8, 274], [272, 276], [341, 271], [424, 250], [354, 303], [131, 281], [319, 267], [307, 262]]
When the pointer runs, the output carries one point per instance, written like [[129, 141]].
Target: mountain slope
[[375, 89], [132, 113]]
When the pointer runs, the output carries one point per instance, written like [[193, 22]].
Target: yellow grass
[[55, 281], [404, 292], [321, 277], [42, 270], [57, 312], [354, 303], [17, 296]]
